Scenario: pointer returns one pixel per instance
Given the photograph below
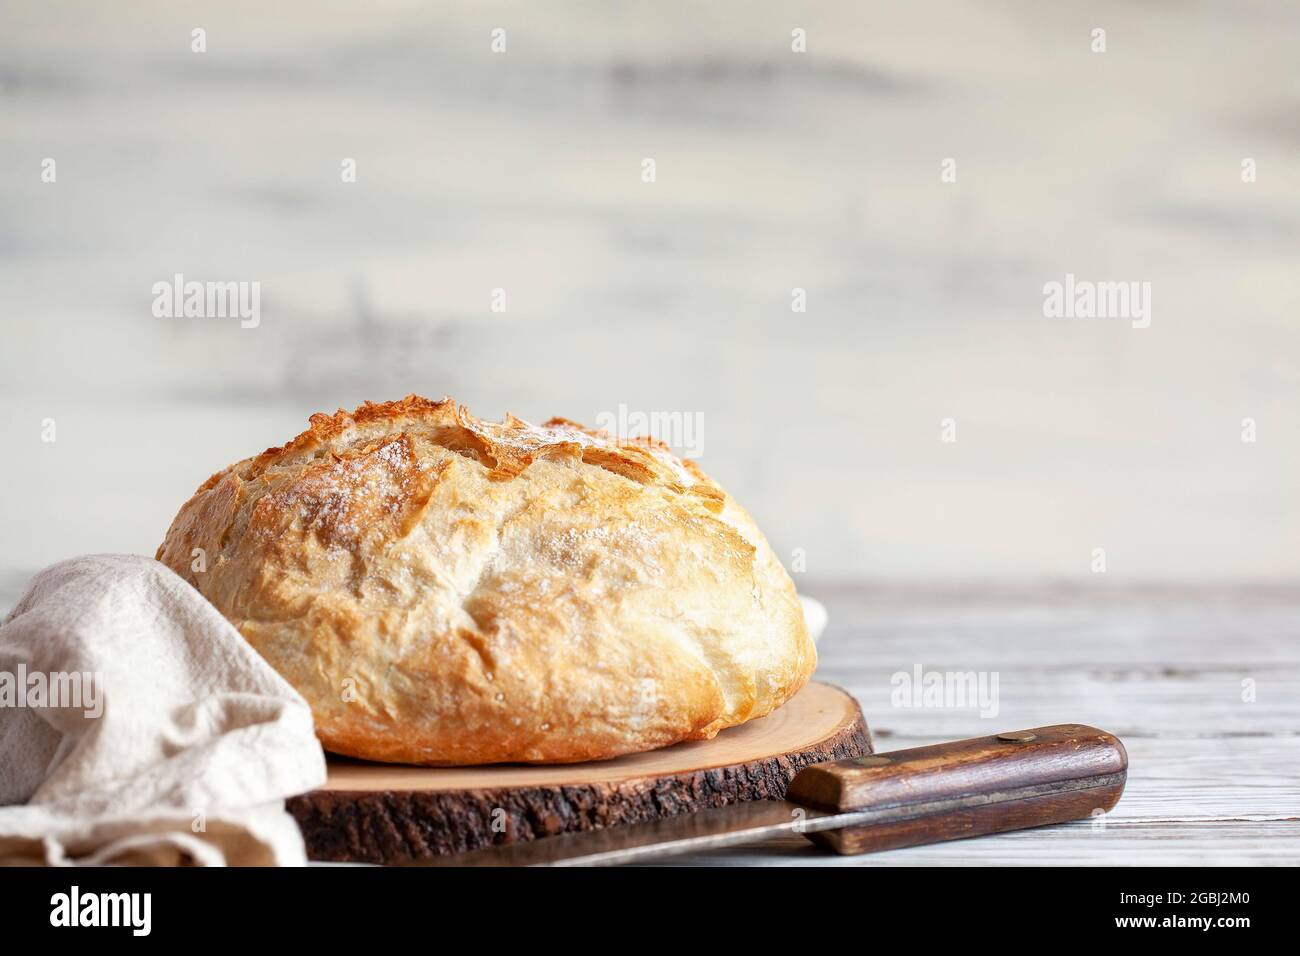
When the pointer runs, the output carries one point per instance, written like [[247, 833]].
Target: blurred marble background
[[775, 170]]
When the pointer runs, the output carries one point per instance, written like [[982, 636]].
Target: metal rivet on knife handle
[[1018, 737]]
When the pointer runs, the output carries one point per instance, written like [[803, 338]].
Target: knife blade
[[966, 788]]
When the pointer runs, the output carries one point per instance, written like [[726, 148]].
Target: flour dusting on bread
[[448, 590]]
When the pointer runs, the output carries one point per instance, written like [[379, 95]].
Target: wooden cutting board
[[386, 813]]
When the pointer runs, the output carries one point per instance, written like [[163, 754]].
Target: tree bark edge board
[[391, 825]]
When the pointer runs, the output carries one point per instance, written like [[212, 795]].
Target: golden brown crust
[[448, 590]]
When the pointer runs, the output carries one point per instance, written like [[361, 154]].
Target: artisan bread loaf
[[445, 590]]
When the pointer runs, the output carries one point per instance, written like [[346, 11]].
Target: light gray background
[[775, 170]]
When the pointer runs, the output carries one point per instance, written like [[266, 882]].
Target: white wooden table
[[1212, 779]]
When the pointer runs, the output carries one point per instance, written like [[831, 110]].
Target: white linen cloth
[[198, 743]]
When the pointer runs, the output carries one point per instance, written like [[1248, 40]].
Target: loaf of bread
[[445, 590]]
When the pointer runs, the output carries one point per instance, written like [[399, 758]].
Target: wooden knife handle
[[1011, 781]]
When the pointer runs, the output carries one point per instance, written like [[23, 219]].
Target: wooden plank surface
[[818, 171], [1212, 779]]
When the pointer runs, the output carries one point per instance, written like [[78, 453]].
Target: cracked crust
[[446, 590]]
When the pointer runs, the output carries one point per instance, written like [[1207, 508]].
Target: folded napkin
[[137, 726]]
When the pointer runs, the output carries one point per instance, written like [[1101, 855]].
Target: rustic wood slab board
[[384, 813]]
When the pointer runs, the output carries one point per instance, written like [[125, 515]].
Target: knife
[[1011, 781]]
